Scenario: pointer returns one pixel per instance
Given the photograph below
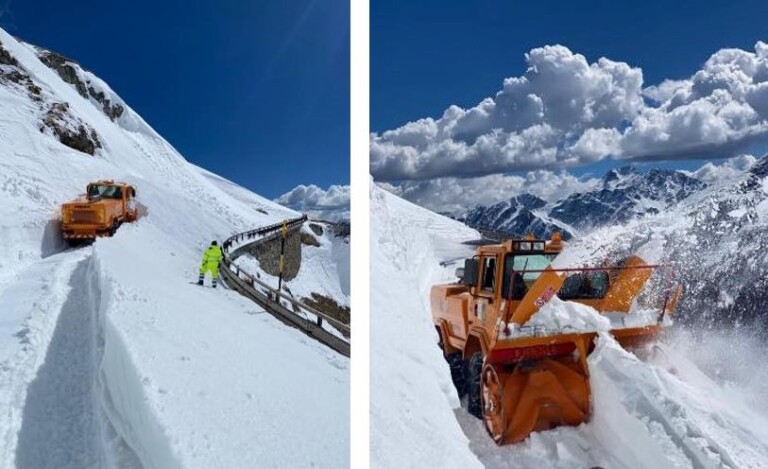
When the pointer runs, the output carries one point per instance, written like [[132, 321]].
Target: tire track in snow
[[62, 424]]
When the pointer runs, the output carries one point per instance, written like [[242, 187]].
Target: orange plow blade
[[534, 396], [535, 384]]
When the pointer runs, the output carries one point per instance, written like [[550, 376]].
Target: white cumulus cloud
[[566, 112], [331, 204], [725, 171]]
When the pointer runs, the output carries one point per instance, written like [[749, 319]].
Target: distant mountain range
[[623, 194]]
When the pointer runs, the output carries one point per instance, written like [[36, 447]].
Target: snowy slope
[[686, 407], [412, 397], [165, 374]]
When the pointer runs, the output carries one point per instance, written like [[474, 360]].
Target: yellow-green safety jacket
[[212, 256]]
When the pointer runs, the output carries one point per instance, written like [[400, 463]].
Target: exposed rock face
[[113, 111], [328, 306], [342, 229], [66, 70], [12, 73], [268, 255], [69, 71], [57, 117], [6, 58], [309, 240], [317, 229], [70, 130]]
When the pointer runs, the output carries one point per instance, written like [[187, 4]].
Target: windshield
[[106, 192], [521, 265]]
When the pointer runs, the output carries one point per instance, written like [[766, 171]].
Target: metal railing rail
[[270, 298]]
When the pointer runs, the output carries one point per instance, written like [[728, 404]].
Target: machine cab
[[499, 276], [108, 190]]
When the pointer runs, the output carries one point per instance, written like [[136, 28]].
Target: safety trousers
[[212, 267]]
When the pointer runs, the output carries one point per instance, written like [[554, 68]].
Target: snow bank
[[559, 315], [412, 398]]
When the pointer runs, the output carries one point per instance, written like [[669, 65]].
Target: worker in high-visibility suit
[[211, 258]]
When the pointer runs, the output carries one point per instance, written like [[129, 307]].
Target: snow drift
[[168, 374]]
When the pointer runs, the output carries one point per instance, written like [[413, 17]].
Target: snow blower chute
[[520, 378]]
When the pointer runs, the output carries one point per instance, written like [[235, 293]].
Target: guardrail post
[[282, 252]]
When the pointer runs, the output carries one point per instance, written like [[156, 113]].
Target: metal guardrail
[[274, 301]]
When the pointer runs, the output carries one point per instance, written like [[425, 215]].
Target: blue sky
[[256, 91], [429, 54], [552, 117]]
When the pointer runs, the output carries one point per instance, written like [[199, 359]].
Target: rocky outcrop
[[13, 74], [68, 70], [57, 118], [342, 229], [6, 58], [328, 306], [317, 229], [70, 130], [268, 255], [309, 240]]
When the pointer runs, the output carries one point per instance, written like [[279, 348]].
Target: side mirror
[[469, 276], [460, 272]]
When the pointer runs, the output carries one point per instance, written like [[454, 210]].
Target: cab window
[[521, 271], [585, 285], [488, 282], [104, 191]]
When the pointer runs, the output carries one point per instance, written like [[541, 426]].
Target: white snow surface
[[412, 397], [697, 401], [109, 356], [559, 315]]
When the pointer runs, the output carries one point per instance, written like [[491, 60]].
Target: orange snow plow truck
[[522, 378], [99, 212]]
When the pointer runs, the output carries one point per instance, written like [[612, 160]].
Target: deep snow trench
[[60, 426], [68, 411]]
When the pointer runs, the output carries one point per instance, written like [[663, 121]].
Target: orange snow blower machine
[[99, 212], [521, 378]]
